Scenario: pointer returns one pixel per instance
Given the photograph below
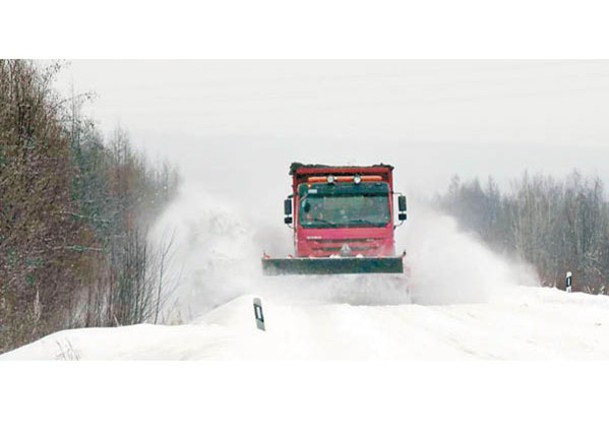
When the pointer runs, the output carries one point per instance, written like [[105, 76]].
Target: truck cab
[[342, 219]]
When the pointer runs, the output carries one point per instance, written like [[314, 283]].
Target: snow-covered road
[[528, 324]]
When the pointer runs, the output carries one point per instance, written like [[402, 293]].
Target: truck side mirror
[[287, 210], [287, 207], [402, 204], [402, 216]]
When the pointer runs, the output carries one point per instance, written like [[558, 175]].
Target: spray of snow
[[213, 254], [449, 266], [218, 246]]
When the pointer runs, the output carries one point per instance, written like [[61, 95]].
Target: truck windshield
[[371, 210]]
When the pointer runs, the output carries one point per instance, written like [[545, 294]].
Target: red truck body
[[342, 219], [324, 242]]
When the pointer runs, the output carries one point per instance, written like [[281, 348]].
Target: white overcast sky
[[431, 119]]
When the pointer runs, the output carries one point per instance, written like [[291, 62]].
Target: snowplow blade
[[331, 266]]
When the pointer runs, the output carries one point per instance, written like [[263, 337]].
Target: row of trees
[[74, 215], [556, 225]]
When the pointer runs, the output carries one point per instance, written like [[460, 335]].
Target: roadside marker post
[[569, 282], [258, 314]]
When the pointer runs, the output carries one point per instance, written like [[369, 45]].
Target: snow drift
[[535, 324]]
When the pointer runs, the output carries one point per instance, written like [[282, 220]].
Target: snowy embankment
[[532, 323], [464, 303]]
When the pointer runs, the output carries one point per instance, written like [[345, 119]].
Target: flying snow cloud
[[450, 266], [218, 244], [212, 251]]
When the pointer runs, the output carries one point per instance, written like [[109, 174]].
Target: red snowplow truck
[[343, 219]]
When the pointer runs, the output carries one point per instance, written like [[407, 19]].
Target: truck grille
[[341, 241], [337, 248], [333, 246]]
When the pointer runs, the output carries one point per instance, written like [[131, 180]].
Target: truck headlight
[[331, 179], [357, 179]]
